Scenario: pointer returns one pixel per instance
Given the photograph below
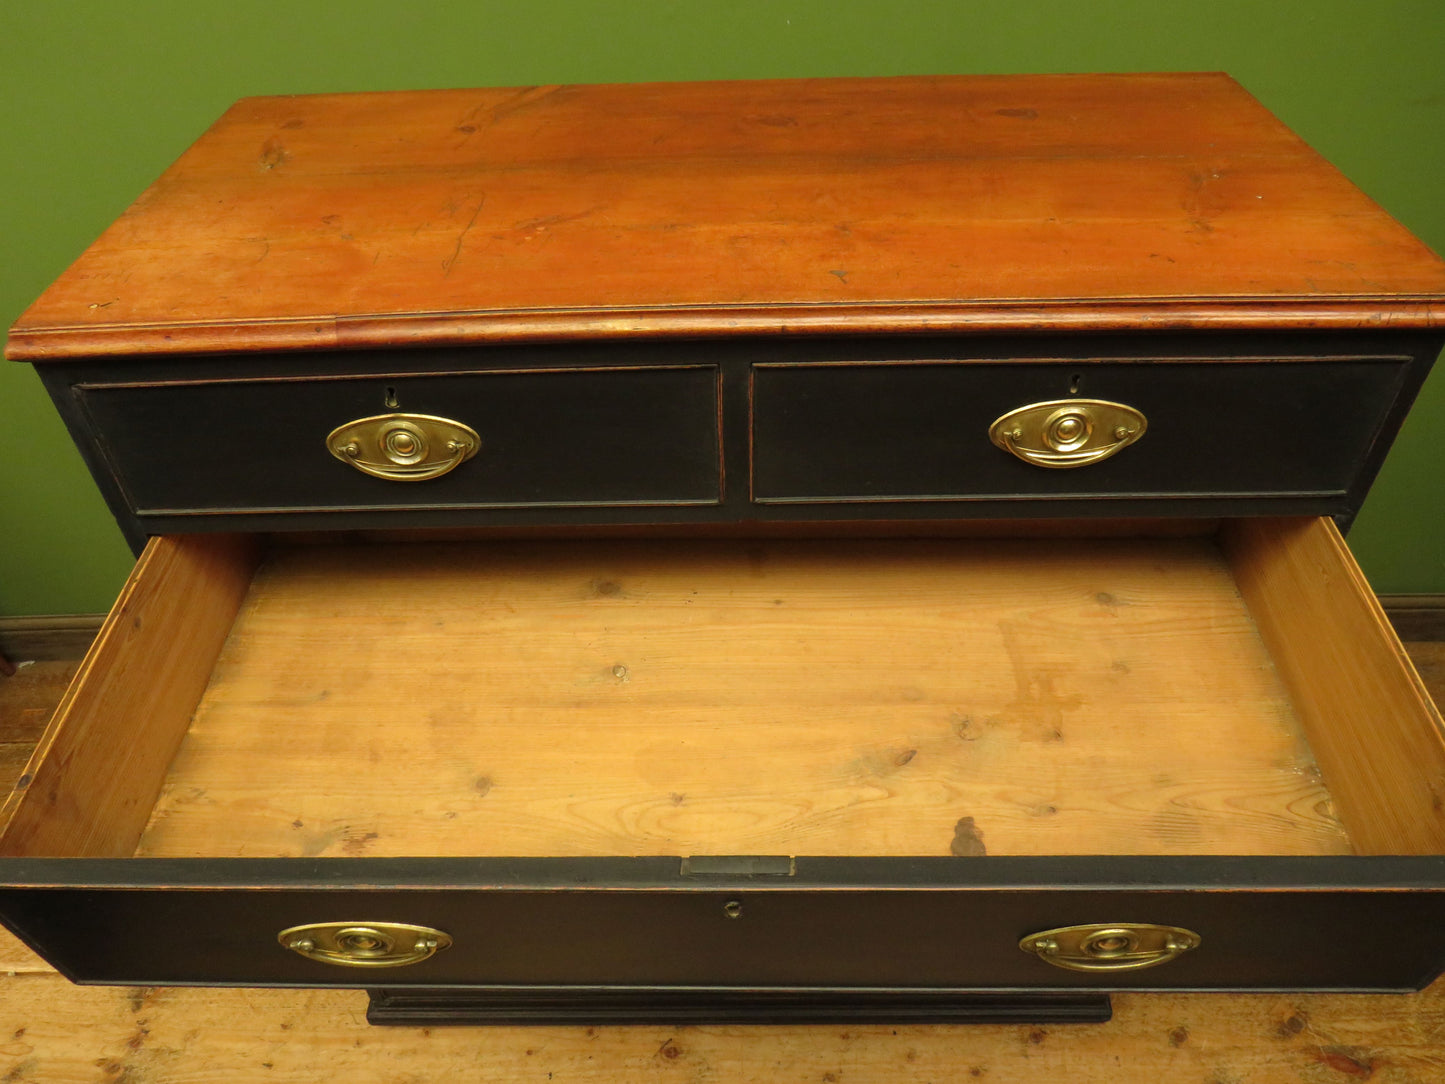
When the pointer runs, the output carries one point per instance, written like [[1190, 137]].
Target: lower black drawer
[[549, 437], [547, 757], [833, 923], [910, 431]]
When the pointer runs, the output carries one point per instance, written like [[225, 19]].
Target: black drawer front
[[961, 938], [1263, 922], [549, 437], [891, 431]]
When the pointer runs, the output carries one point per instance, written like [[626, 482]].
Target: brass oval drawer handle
[[404, 447], [1065, 433], [1120, 946], [364, 944]]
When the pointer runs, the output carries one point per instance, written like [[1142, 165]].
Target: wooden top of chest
[[1091, 202]]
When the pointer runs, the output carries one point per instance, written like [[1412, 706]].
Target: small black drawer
[[549, 437], [919, 430]]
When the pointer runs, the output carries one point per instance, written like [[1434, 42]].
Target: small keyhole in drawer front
[[391, 400], [1074, 382]]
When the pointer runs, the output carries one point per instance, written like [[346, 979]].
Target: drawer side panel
[[90, 785]]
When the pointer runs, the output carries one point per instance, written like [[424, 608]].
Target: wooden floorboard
[[27, 699], [57, 1034], [54, 1032]]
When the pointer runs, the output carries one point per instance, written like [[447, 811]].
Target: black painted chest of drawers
[[798, 550]]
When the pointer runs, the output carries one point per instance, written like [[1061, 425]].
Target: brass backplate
[[1064, 433], [364, 944], [404, 447], [1110, 946]]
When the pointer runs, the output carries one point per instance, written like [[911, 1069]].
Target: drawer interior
[[1227, 692]]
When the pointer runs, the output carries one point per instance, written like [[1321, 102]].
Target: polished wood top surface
[[982, 203]]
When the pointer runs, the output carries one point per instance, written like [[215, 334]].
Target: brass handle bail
[[404, 447], [1120, 946], [364, 944], [1063, 433]]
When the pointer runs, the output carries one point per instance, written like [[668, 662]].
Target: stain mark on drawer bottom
[[967, 839]]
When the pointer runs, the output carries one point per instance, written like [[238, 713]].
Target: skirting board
[[67, 636], [1416, 617], [48, 637]]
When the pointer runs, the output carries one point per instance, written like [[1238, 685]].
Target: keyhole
[[1074, 384], [391, 398]]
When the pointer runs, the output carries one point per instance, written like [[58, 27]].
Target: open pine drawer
[[743, 777]]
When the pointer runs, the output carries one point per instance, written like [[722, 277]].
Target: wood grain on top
[[906, 204]]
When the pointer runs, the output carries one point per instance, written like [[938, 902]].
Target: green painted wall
[[96, 99]]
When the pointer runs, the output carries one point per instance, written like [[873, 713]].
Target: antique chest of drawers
[[756, 551]]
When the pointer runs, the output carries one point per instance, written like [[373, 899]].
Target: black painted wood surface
[[580, 437], [814, 429], [903, 431], [611, 1005], [1265, 923]]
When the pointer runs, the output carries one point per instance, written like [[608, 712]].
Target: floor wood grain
[[56, 1033]]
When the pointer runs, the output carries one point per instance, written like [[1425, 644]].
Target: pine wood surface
[[851, 205], [1303, 587], [53, 1032], [831, 698], [91, 784]]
